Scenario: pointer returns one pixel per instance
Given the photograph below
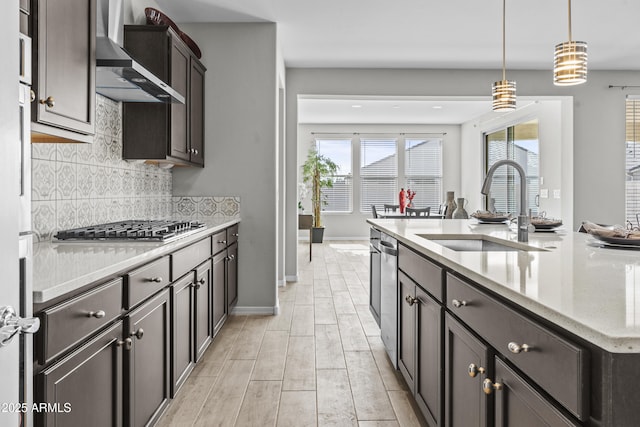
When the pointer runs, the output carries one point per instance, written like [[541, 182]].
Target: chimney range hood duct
[[118, 76]]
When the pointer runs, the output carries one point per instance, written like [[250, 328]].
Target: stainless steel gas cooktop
[[131, 230]]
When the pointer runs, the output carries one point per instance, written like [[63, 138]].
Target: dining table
[[397, 215]]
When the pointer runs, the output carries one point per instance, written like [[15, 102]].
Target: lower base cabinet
[[116, 354], [182, 331], [71, 384], [420, 347], [465, 367], [203, 330], [219, 301], [517, 403], [232, 276], [147, 365]]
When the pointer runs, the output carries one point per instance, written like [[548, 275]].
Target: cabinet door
[[407, 329], [64, 64], [182, 331], [219, 303], [86, 385], [466, 359], [428, 385], [196, 112], [202, 315], [147, 368], [232, 276], [179, 118], [374, 284], [517, 403]]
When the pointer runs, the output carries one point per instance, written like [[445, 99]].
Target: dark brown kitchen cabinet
[[407, 330], [219, 302], [182, 331], [166, 133], [420, 347], [517, 403], [147, 367], [202, 302], [466, 366], [63, 59], [232, 276], [86, 385], [196, 112]]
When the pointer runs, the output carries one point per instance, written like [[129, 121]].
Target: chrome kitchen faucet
[[523, 220]]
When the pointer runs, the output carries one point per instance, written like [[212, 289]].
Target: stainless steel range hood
[[118, 75]]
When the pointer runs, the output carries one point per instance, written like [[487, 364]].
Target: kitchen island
[[558, 322]]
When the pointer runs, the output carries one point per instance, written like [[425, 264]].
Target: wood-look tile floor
[[320, 362]]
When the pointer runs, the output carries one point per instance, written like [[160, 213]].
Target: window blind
[[378, 173], [423, 171]]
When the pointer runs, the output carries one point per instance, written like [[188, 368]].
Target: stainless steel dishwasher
[[389, 296]]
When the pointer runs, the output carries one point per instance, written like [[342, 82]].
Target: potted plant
[[318, 171]]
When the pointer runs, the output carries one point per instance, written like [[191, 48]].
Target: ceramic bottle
[[460, 213]]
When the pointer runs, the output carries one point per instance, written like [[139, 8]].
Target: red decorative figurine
[[403, 200]]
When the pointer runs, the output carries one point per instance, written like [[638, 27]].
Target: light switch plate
[[556, 194], [544, 193]]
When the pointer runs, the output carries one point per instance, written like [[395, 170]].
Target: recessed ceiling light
[[356, 106], [437, 107], [396, 106]]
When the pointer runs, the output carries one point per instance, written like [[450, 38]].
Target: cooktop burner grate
[[131, 230]]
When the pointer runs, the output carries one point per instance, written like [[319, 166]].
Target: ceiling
[[432, 34], [426, 34]]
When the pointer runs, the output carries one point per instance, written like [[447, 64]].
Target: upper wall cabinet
[[165, 133], [64, 46]]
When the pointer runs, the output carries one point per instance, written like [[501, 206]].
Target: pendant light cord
[[569, 20], [504, 6]]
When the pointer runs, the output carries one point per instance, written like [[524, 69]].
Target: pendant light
[[504, 91], [570, 61]]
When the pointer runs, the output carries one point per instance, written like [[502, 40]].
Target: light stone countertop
[[61, 268], [590, 291]]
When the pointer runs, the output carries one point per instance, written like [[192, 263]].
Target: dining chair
[[418, 211], [391, 208], [373, 211]]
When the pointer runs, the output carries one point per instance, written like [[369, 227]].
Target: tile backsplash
[[75, 185]]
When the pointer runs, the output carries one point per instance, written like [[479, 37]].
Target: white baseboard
[[255, 310], [291, 278], [332, 239]]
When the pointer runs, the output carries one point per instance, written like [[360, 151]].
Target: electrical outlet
[[544, 193], [541, 180], [556, 194]]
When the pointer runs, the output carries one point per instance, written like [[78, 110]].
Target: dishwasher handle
[[388, 248]]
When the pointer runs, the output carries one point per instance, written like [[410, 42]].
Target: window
[[378, 172], [519, 143], [423, 171], [339, 197], [632, 192]]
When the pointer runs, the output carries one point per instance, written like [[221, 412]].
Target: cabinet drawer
[[72, 321], [557, 365], [187, 259], [423, 272], [232, 234], [219, 241], [145, 281]]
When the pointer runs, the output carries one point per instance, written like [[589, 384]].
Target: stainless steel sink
[[477, 243]]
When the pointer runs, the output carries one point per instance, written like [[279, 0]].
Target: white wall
[[241, 93], [598, 132], [353, 225]]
